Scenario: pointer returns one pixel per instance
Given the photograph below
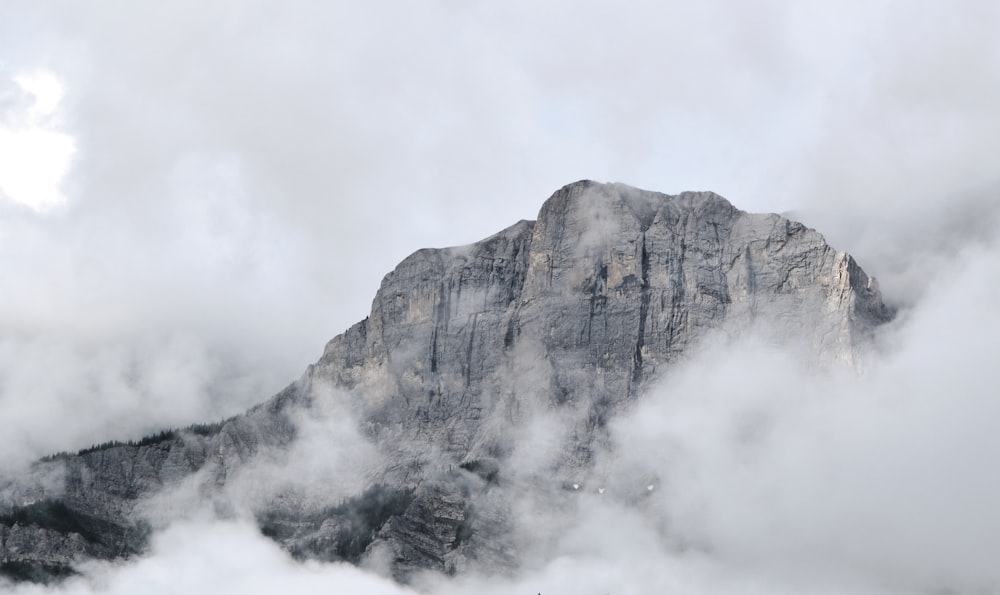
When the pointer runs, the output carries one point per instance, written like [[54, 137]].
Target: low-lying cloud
[[211, 556]]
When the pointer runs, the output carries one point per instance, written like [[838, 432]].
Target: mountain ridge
[[567, 317]]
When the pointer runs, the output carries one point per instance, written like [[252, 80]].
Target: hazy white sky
[[195, 196]]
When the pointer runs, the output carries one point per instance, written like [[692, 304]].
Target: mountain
[[484, 380]]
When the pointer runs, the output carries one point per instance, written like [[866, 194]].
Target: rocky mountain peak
[[642, 204], [568, 317]]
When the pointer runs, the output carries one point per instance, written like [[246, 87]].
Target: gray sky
[[195, 197]]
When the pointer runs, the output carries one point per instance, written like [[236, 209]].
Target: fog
[[194, 199]]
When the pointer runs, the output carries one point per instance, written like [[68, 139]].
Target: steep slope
[[564, 319]]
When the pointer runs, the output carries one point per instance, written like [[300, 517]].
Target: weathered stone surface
[[568, 317]]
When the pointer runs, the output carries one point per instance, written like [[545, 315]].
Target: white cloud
[[46, 92], [35, 153]]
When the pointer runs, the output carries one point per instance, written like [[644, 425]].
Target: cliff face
[[567, 317]]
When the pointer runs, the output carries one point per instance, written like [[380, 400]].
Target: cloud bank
[[242, 176]]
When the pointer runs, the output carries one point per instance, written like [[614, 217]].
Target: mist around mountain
[[220, 188], [765, 473]]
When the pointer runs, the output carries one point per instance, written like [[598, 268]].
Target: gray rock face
[[565, 318]]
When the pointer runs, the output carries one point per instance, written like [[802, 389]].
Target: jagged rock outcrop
[[569, 317]]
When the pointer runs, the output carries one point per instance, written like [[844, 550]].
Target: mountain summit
[[485, 378]]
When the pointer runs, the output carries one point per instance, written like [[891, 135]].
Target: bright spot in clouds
[[34, 155]]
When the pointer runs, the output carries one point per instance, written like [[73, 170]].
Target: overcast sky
[[195, 197]]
